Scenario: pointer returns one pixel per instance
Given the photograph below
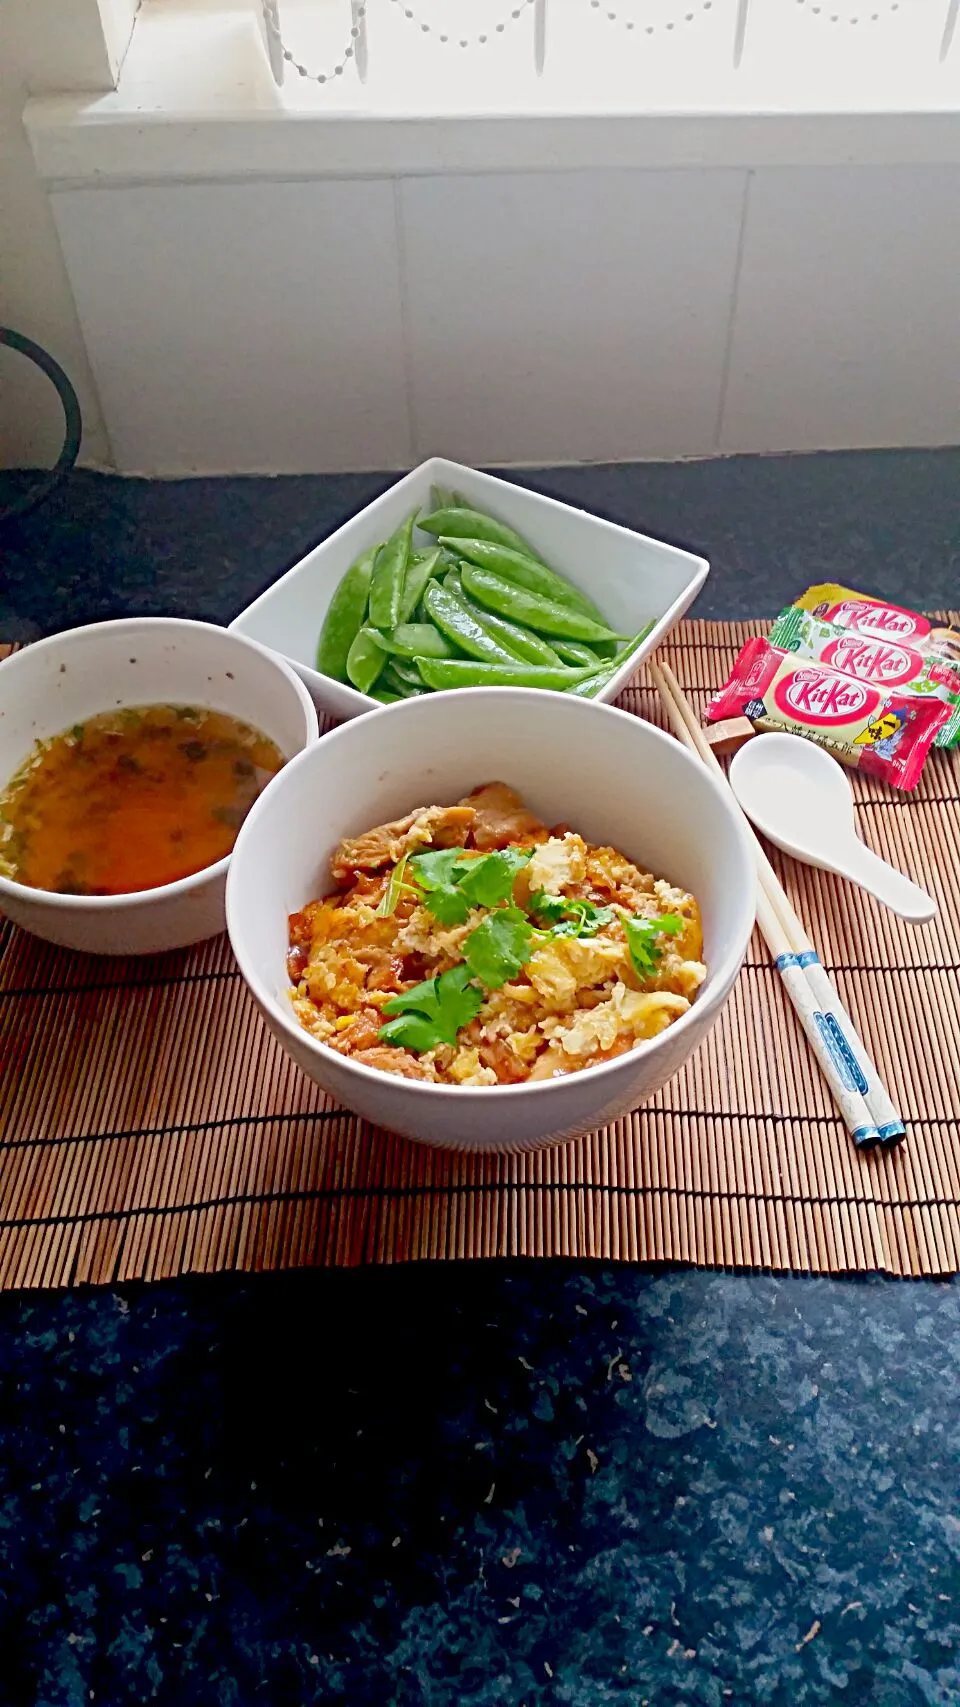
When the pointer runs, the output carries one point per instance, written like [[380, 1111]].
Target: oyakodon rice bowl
[[612, 785]]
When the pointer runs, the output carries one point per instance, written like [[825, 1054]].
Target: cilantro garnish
[[433, 1012], [553, 908], [642, 935], [497, 949], [435, 873], [455, 881], [569, 917], [489, 879]]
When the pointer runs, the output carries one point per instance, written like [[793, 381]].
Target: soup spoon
[[800, 799]]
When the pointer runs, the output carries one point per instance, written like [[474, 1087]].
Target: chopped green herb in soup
[[132, 799]]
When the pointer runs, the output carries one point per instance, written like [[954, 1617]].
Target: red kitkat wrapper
[[883, 732]]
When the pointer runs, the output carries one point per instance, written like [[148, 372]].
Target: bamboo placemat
[[149, 1125]]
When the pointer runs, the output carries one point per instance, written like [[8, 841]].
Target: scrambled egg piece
[[557, 864], [563, 967]]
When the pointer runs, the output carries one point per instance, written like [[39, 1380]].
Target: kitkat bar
[[885, 663], [865, 614], [880, 730]]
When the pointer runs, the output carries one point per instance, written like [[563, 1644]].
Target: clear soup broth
[[132, 799]]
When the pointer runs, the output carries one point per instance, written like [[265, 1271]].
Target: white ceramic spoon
[[800, 799]]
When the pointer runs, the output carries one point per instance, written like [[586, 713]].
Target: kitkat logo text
[[819, 697], [873, 660]]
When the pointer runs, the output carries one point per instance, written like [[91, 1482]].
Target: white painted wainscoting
[[281, 327]]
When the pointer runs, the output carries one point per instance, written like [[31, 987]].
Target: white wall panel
[[847, 329], [242, 327], [569, 316]]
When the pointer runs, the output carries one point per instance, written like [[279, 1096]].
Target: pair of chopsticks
[[855, 1084]]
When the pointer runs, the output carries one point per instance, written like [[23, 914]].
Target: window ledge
[[196, 101]]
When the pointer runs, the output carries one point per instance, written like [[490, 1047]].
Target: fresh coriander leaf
[[590, 917], [488, 880], [572, 918], [435, 873], [433, 1012], [497, 949], [421, 998], [553, 908], [411, 1031], [394, 889], [434, 870], [642, 935]]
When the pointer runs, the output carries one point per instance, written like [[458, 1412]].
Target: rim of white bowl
[[722, 977], [180, 885]]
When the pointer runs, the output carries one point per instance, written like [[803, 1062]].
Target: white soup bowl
[[70, 677]]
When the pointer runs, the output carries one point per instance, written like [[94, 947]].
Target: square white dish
[[633, 579]]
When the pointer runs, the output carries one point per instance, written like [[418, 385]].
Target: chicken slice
[[390, 1060], [500, 818], [426, 826]]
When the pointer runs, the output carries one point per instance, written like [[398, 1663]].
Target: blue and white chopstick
[[856, 1086]]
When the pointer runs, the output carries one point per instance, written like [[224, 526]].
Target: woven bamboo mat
[[149, 1126]]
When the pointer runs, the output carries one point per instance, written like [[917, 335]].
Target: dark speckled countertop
[[523, 1484]]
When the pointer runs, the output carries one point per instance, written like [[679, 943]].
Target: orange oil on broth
[[132, 799]]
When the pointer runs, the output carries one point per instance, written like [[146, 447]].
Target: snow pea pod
[[386, 587], [344, 617], [365, 660], [526, 572], [402, 669], [473, 524], [526, 647], [385, 696], [543, 615], [608, 667], [453, 618], [590, 686], [420, 569], [441, 673], [415, 639], [576, 652], [399, 685]]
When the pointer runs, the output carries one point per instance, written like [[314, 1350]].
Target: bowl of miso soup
[[130, 754]]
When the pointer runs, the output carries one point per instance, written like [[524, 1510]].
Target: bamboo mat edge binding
[[149, 1127]]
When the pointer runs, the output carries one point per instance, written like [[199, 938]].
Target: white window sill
[[196, 100]]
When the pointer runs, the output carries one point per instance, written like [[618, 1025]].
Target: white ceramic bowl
[[611, 776], [139, 661], [634, 580]]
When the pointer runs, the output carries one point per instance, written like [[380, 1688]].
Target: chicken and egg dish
[[472, 945]]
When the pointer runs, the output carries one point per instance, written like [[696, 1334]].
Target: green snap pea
[[402, 669], [385, 697], [441, 498], [416, 639], [386, 587], [526, 572], [591, 685], [365, 660], [422, 566], [526, 647], [472, 524], [454, 619], [468, 673], [576, 652], [399, 685], [344, 618], [542, 615]]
